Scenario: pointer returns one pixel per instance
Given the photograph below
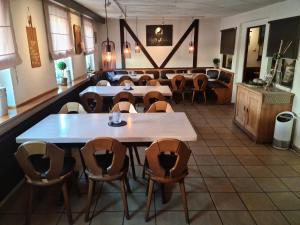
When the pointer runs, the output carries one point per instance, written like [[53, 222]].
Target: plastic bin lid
[[285, 117]]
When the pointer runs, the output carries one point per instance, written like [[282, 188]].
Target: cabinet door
[[253, 113], [240, 107]]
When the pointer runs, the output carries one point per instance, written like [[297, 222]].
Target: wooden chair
[[45, 165], [163, 73], [103, 83], [112, 164], [160, 106], [151, 97], [139, 72], [213, 73], [124, 96], [123, 107], [200, 82], [72, 108], [166, 162], [125, 77], [153, 83], [181, 71], [154, 72], [178, 85], [144, 79], [92, 102], [126, 81]]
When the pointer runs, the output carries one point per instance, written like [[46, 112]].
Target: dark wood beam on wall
[[195, 53], [122, 44], [179, 43], [135, 38], [81, 9]]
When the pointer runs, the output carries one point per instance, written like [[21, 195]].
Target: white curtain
[[8, 51], [59, 31], [88, 36]]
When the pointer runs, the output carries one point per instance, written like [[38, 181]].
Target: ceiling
[[175, 8]]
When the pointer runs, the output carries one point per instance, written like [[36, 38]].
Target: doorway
[[253, 54]]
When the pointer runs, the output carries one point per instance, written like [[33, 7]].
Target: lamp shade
[[127, 50], [108, 55], [191, 47], [137, 48]]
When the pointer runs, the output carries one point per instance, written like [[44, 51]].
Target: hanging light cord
[[106, 22]]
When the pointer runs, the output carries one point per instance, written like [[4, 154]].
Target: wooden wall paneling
[[179, 43]]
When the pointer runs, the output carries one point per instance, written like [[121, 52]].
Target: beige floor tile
[[293, 183], [227, 160], [194, 185], [170, 218], [270, 160], [109, 202], [284, 171], [257, 201], [205, 160], [227, 201], [240, 150], [211, 171], [235, 171], [78, 219], [285, 200], [204, 218], [220, 151], [137, 202], [259, 171], [194, 171], [293, 217], [138, 218], [174, 201], [110, 218], [271, 184], [269, 218], [236, 218], [218, 185], [245, 185], [249, 160], [45, 219], [200, 201], [215, 142]]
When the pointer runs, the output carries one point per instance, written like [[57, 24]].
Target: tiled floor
[[232, 181]]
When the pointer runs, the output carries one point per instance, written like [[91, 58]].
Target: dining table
[[137, 91], [141, 129]]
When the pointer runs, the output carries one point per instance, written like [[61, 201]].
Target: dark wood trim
[[81, 9], [135, 38], [179, 43], [122, 44], [196, 33]]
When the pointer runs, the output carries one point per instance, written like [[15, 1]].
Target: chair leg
[[137, 155], [67, 203], [89, 199], [29, 204], [150, 192], [193, 97], [124, 198], [132, 162], [83, 166], [184, 201], [128, 188], [204, 94]]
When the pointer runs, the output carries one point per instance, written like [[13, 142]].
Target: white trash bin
[[3, 102], [283, 130]]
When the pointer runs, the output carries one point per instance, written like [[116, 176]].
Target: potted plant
[[216, 62], [63, 79]]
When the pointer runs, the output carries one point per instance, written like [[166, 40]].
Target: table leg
[[132, 162]]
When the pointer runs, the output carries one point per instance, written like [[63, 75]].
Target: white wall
[[30, 82], [257, 17], [208, 45]]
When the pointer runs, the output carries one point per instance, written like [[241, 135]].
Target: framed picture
[[159, 35], [77, 39], [288, 70]]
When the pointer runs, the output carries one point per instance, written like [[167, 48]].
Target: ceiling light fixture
[[191, 44]]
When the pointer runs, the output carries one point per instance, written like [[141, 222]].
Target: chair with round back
[[92, 102], [45, 165], [166, 162], [200, 82], [124, 96], [139, 72], [160, 106], [151, 97], [103, 83], [125, 77], [178, 85], [123, 107], [106, 161], [72, 108], [153, 83], [154, 72], [126, 81], [144, 79]]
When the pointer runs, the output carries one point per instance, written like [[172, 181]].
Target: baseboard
[[294, 147], [11, 193]]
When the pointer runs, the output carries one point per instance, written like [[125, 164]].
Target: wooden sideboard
[[256, 110]]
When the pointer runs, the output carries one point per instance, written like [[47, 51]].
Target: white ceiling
[[176, 8]]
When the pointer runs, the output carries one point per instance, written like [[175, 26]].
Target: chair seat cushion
[[42, 165], [105, 160], [215, 84]]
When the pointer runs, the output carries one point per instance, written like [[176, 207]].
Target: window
[[90, 62], [8, 51], [227, 46], [6, 81], [59, 31], [88, 31], [68, 72], [227, 61]]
